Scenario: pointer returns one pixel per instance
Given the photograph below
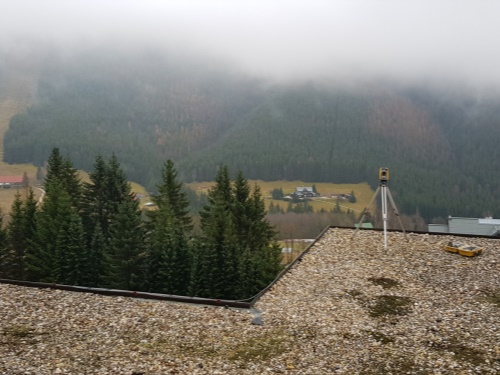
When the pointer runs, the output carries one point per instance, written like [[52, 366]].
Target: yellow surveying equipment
[[383, 174]]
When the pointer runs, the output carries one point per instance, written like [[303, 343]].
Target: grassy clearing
[[362, 191], [7, 196]]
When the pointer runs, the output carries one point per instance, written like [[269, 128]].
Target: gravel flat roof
[[350, 306]]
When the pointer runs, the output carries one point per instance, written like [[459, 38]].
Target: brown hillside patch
[[398, 120]]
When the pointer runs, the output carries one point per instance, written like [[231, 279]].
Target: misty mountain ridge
[[439, 142]]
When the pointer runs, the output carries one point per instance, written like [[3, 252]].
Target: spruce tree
[[337, 209], [102, 197], [217, 255], [352, 197], [42, 261], [168, 259], [241, 210], [72, 261], [95, 200], [239, 253], [96, 255], [216, 269], [262, 257], [54, 166], [29, 210], [171, 194], [61, 169], [4, 254], [13, 259], [125, 252], [158, 261], [19, 232], [117, 186], [72, 183]]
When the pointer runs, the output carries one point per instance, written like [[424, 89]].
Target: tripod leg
[[367, 208], [396, 212]]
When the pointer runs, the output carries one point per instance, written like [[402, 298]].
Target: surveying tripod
[[384, 190]]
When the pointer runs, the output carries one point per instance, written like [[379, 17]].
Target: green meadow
[[362, 192]]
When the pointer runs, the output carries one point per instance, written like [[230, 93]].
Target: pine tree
[[277, 194], [17, 242], [126, 248], [72, 182], [97, 261], [216, 270], [13, 258], [158, 261], [196, 279], [102, 197], [352, 197], [242, 210], [54, 166], [5, 270], [337, 209], [61, 169], [95, 200], [168, 259], [239, 253], [217, 254], [117, 185], [170, 194], [29, 209], [72, 262], [42, 261], [262, 252]]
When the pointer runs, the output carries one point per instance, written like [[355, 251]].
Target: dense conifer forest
[[94, 234], [440, 142]]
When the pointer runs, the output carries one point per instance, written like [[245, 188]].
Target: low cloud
[[282, 39]]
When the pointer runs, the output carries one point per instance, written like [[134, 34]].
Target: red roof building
[[12, 180]]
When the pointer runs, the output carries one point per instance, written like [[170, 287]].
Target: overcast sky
[[310, 38]]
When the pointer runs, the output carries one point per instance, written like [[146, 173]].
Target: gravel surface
[[349, 307]]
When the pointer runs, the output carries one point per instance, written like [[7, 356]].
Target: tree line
[[95, 234]]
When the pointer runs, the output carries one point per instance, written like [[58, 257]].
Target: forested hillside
[[144, 109], [439, 143], [441, 150]]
